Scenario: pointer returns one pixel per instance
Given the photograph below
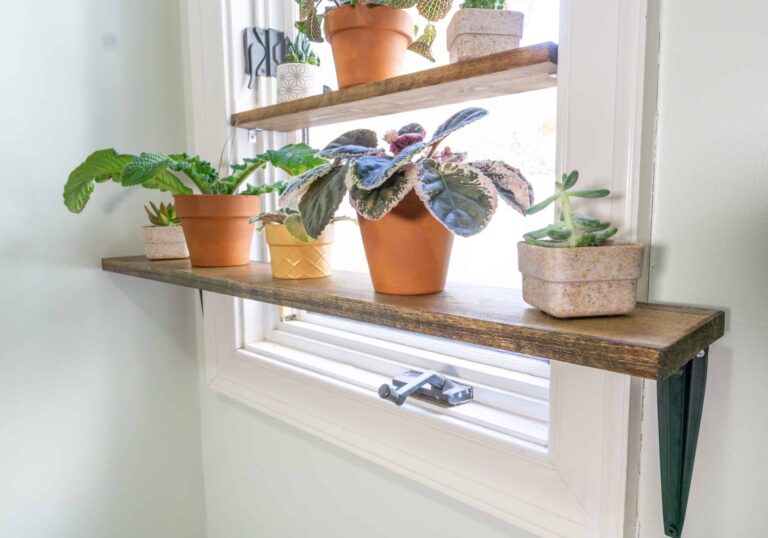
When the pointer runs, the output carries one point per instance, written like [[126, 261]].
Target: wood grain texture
[[513, 71], [652, 342]]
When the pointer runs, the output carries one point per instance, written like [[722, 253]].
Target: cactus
[[165, 215], [299, 51], [573, 229], [461, 195], [484, 4]]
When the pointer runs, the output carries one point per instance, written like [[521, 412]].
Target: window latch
[[429, 386]]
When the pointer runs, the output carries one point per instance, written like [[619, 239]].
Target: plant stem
[[567, 211]]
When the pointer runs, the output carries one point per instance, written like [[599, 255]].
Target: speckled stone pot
[[164, 242], [579, 282], [476, 32]]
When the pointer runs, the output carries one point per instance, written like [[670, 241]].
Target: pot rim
[[391, 27]]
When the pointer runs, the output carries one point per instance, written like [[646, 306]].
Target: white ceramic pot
[[295, 81], [580, 282], [164, 242], [475, 32]]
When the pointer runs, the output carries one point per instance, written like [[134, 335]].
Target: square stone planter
[[476, 32], [579, 282], [164, 242]]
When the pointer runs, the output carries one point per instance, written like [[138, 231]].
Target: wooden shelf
[[652, 342], [513, 71]]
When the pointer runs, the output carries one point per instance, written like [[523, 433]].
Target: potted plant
[[369, 37], [410, 200], [483, 27], [164, 239], [298, 75], [216, 223], [568, 270]]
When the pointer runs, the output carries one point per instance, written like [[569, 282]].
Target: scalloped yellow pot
[[292, 259]]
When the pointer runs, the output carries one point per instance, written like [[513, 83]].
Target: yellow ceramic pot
[[293, 259]]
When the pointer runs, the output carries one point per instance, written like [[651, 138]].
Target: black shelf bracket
[[680, 399]]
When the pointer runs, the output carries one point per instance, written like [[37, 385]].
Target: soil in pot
[[292, 259], [408, 250], [164, 243], [216, 227], [369, 42]]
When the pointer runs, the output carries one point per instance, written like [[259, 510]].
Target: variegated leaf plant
[[461, 194], [311, 20]]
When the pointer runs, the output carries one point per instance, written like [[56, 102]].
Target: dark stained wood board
[[504, 73], [652, 342]]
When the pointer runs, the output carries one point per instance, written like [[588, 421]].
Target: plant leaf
[[541, 205], [98, 167], [253, 190], [300, 184], [352, 144], [569, 180], [456, 122], [296, 228], [589, 224], [412, 128], [318, 205], [145, 167], [434, 10], [294, 159], [457, 195], [167, 182], [399, 4], [232, 182], [372, 171], [595, 193], [509, 182], [374, 204], [199, 171], [423, 44]]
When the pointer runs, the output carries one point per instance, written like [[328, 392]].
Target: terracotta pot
[[475, 32], [369, 43], [580, 282], [164, 242], [292, 259], [408, 250], [216, 227]]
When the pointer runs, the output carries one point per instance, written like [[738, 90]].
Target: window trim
[[579, 487]]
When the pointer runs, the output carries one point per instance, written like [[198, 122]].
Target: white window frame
[[578, 487]]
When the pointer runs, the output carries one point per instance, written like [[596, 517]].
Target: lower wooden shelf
[[652, 342]]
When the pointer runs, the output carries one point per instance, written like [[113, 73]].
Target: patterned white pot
[[295, 81], [164, 242]]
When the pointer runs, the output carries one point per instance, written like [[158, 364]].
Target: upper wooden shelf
[[651, 342], [513, 71]]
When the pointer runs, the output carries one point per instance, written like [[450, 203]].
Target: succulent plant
[[165, 215], [158, 171], [460, 194], [573, 229], [299, 51], [311, 20], [484, 4]]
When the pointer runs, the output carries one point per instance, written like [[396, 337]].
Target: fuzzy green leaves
[[321, 200], [371, 172], [456, 122], [457, 195], [374, 204], [509, 182], [100, 166], [352, 144]]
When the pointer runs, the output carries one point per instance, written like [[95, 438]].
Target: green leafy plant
[[311, 20], [165, 215], [483, 4], [165, 172], [461, 194], [573, 229], [299, 51]]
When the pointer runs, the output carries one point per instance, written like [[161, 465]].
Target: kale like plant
[[299, 51], [573, 229], [483, 4], [461, 194], [167, 172], [311, 20], [165, 215]]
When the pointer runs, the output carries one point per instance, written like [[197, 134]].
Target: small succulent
[[165, 215], [460, 194], [299, 51], [311, 20], [484, 4], [573, 229]]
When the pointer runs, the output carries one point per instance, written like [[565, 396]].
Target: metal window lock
[[428, 385]]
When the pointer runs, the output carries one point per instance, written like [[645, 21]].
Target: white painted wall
[[99, 412], [710, 248]]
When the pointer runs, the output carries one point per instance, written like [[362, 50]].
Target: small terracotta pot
[[216, 227], [368, 42], [408, 249], [580, 282], [164, 243], [292, 259]]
